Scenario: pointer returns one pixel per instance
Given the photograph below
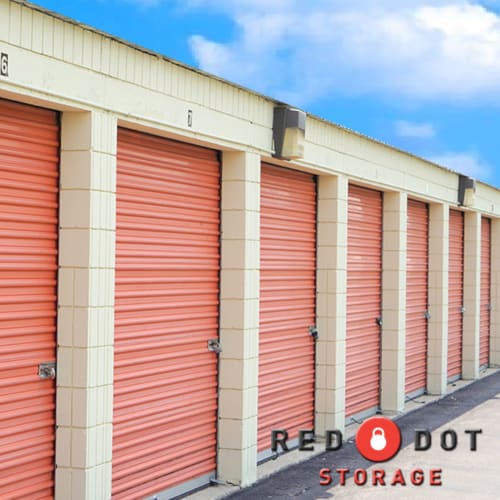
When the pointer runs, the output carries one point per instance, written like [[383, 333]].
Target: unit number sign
[[4, 64]]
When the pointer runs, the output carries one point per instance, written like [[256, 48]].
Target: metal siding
[[416, 296], [364, 270], [287, 302], [484, 337], [29, 172], [455, 293], [166, 309]]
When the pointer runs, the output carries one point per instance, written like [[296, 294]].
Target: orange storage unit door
[[484, 339], [455, 293], [166, 310], [364, 272], [29, 171], [416, 297], [287, 302]]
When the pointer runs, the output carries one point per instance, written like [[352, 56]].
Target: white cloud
[[414, 130], [424, 49], [467, 163]]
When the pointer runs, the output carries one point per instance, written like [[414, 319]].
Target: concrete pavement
[[464, 473]]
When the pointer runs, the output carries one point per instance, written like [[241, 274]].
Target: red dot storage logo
[[378, 439]]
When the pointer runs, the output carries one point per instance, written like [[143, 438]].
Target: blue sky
[[421, 75]]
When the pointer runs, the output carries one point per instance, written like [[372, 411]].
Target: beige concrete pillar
[[495, 293], [472, 295], [392, 397], [239, 321], [437, 351], [86, 298], [331, 303]]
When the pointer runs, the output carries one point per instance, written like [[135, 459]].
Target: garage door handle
[[313, 332], [214, 346], [47, 371]]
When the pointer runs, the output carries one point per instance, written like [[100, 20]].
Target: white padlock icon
[[378, 441]]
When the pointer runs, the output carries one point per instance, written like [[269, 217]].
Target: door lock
[[313, 332], [214, 346], [47, 371]]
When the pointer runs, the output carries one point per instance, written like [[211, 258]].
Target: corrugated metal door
[[416, 297], [29, 166], [166, 310], [484, 339], [287, 302], [364, 272], [455, 293]]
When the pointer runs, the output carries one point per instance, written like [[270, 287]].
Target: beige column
[[331, 303], [472, 295], [393, 303], [239, 322], [437, 351], [495, 293], [86, 298]]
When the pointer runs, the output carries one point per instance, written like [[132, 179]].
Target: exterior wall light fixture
[[466, 191], [289, 126]]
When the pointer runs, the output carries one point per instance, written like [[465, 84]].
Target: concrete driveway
[[464, 473]]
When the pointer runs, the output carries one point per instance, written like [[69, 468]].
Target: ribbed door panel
[[29, 166], [484, 339], [166, 309], [287, 302], [364, 267], [455, 293], [416, 296]]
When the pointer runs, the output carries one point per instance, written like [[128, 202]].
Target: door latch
[[313, 332], [214, 346], [378, 320], [462, 310], [47, 371], [427, 315]]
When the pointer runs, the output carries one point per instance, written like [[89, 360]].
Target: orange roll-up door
[[455, 293], [416, 296], [364, 272], [484, 338], [29, 172], [287, 302], [166, 310]]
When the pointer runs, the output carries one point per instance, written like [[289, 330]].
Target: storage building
[[173, 288]]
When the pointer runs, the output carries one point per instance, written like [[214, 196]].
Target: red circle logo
[[378, 439]]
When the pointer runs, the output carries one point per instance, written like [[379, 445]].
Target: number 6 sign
[[4, 65]]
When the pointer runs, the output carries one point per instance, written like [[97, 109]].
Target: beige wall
[[331, 288], [63, 64], [393, 360], [472, 295], [239, 318], [437, 350], [495, 293], [84, 411]]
